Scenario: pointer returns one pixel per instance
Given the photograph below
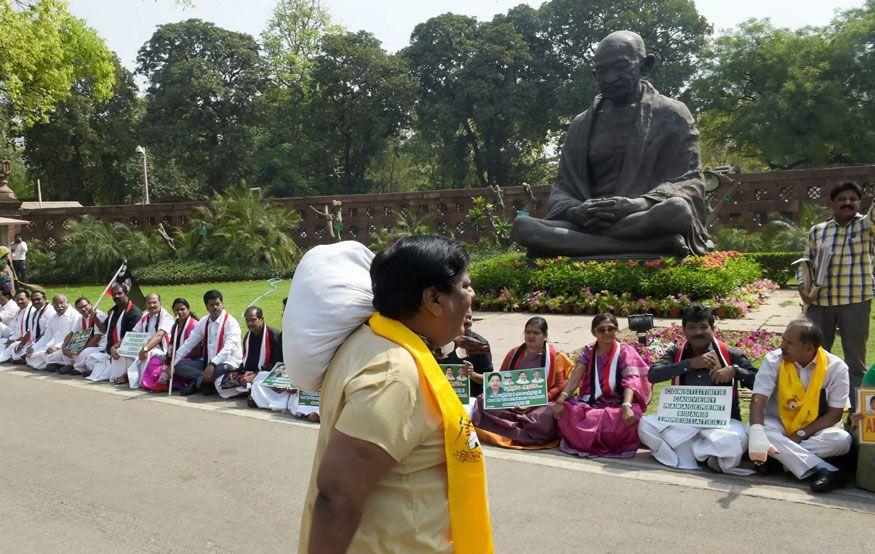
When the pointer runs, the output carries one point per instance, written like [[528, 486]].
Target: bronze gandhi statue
[[630, 180]]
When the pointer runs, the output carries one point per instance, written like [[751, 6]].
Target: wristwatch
[[801, 433], [626, 404]]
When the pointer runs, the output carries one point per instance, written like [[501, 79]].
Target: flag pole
[[172, 368], [108, 286]]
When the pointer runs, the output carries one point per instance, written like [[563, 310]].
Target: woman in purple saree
[[614, 393]]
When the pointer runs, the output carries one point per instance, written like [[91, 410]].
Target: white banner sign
[[695, 406]]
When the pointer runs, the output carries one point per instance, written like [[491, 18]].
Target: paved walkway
[[571, 332]]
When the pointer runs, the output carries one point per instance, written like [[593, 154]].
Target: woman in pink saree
[[614, 393], [157, 374]]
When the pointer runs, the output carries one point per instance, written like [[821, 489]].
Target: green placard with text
[[462, 385], [521, 388]]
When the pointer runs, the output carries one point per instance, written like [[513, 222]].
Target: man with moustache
[[845, 299], [58, 327], [700, 360]]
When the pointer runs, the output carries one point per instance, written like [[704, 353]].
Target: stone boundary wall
[[761, 194]]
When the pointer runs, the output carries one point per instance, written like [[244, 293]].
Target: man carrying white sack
[[58, 327], [800, 393]]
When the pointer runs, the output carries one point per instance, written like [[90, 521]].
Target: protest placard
[[866, 404], [278, 378], [462, 385], [706, 407], [308, 398], [521, 388], [132, 343], [78, 340]]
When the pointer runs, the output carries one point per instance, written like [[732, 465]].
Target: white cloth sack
[[330, 297]]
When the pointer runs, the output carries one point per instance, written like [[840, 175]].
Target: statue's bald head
[[620, 62], [626, 40]]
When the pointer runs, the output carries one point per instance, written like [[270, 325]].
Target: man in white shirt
[[19, 258], [219, 333], [58, 327], [8, 308], [156, 322], [802, 424], [30, 324], [93, 320], [20, 326]]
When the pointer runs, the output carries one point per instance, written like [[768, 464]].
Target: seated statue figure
[[629, 181]]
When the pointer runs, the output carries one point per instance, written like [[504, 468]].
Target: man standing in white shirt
[[219, 333], [19, 258], [799, 395], [58, 327]]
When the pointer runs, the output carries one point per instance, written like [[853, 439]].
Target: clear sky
[[127, 24]]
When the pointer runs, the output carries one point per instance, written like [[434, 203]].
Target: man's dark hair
[[256, 310], [697, 313], [809, 332], [120, 286], [539, 321], [80, 299], [408, 266], [41, 293], [843, 186], [212, 295], [6, 293]]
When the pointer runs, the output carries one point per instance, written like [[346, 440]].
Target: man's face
[[60, 304], [17, 238], [699, 334], [469, 322], [254, 323], [618, 70], [84, 308], [22, 300], [153, 304], [214, 307], [846, 204], [38, 300], [456, 304], [119, 296], [793, 349]]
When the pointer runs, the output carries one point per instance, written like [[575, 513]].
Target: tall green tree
[[44, 50], [201, 105], [792, 98], [81, 151]]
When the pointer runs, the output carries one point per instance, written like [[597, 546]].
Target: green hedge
[[709, 276], [776, 265]]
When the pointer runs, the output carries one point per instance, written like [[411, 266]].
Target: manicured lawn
[[237, 294]]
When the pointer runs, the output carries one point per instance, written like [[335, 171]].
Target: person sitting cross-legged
[[157, 323], [31, 326], [262, 349], [92, 319], [614, 392], [8, 308], [108, 365], [700, 360], [800, 394], [19, 326], [156, 376], [219, 336], [58, 327]]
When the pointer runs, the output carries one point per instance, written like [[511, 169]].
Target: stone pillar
[[9, 204]]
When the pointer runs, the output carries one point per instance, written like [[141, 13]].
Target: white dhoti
[[84, 361], [682, 447], [58, 357], [802, 459], [37, 359], [296, 409], [104, 367], [230, 392], [9, 353], [266, 397], [138, 366]]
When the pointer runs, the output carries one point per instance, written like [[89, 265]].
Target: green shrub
[[178, 272], [776, 265]]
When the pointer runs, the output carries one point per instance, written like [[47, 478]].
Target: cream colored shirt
[[372, 392]]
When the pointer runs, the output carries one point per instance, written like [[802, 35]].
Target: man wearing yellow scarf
[[796, 408], [397, 466]]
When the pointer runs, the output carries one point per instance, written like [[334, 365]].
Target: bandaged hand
[[758, 446]]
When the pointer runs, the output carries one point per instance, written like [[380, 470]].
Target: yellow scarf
[[466, 472], [798, 406]]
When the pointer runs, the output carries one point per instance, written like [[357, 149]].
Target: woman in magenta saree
[[614, 393]]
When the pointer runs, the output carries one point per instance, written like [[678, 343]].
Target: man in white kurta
[[802, 451], [58, 327], [219, 334], [8, 310], [21, 328], [157, 323], [262, 349], [92, 319], [107, 364]]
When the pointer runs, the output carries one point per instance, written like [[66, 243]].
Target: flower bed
[[728, 282]]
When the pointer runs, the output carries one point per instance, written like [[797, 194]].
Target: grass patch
[[237, 294]]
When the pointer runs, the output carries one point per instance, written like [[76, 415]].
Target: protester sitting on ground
[[472, 348], [37, 321], [526, 428], [107, 365], [800, 393], [614, 393], [219, 335], [262, 349], [156, 376], [700, 360], [8, 309], [157, 323], [58, 328], [92, 319]]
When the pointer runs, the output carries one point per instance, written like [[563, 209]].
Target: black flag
[[124, 277]]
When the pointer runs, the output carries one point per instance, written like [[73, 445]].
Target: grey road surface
[[92, 468]]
